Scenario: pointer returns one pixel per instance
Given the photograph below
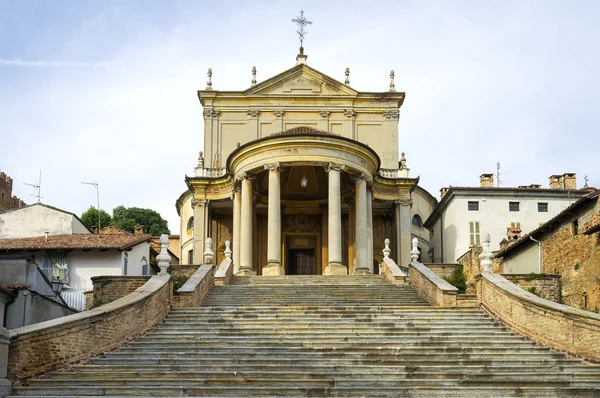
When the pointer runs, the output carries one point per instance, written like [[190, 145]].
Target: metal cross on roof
[[301, 21]]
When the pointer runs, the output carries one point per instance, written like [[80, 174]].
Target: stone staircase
[[319, 336]]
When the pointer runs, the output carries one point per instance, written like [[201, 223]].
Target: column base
[[273, 269], [335, 269], [362, 271], [246, 272]]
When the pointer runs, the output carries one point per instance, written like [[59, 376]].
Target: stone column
[[370, 228], [237, 231], [273, 266], [200, 228], [403, 234], [362, 266], [334, 233], [246, 228]]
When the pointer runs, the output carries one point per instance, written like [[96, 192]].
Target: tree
[[127, 217], [90, 218]]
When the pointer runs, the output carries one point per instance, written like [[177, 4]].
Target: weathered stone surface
[[110, 288]]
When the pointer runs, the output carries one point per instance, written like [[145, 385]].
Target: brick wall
[[182, 270], [565, 328], [444, 270], [193, 292], [434, 289], [7, 200], [110, 288], [543, 285], [59, 343]]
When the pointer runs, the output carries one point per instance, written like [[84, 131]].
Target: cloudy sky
[[106, 90]]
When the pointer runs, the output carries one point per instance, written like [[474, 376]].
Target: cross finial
[[301, 21], [209, 81], [347, 82], [392, 84], [254, 75]]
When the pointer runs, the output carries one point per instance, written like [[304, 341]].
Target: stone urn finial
[[228, 251], [209, 255], [414, 253], [386, 249], [163, 259], [486, 256]]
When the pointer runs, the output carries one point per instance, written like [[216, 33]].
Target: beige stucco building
[[303, 174]]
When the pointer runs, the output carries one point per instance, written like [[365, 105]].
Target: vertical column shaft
[[274, 218], [370, 229], [361, 266], [403, 234], [237, 231], [246, 228], [200, 228], [334, 235]]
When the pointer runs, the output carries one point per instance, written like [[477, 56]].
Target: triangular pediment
[[301, 80]]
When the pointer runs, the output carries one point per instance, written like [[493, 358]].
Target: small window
[[513, 206], [473, 206], [125, 263], [144, 266], [575, 227], [416, 221], [515, 224], [190, 225], [542, 207], [191, 257], [474, 233]]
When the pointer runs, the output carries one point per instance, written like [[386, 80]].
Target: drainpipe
[[539, 253]]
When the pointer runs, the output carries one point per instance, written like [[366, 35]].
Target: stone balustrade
[[389, 269], [211, 172]]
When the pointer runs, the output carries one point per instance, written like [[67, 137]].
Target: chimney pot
[[46, 237], [486, 180]]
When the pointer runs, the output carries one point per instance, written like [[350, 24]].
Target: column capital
[[244, 176], [273, 166], [392, 114], [349, 113], [200, 202], [253, 113], [335, 167], [362, 177], [403, 202], [211, 113], [278, 113], [324, 114]]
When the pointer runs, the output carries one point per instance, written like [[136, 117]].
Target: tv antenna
[[498, 174], [95, 184], [37, 188]]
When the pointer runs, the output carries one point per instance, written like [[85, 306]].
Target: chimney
[[443, 192], [486, 180], [138, 229], [46, 237], [555, 181], [569, 181]]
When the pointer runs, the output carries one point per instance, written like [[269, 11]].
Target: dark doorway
[[301, 262]]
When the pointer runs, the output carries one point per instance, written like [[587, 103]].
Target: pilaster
[[200, 228], [403, 234]]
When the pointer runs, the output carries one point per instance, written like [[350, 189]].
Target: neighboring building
[[26, 295], [464, 214], [570, 246], [76, 258], [303, 175], [7, 200], [37, 219], [422, 207]]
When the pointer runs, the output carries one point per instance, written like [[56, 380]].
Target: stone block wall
[[444, 270], [56, 344], [110, 288], [565, 328], [546, 286], [7, 200]]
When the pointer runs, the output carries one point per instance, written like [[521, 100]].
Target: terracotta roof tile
[[74, 241]]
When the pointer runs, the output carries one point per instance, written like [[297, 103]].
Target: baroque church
[[303, 175]]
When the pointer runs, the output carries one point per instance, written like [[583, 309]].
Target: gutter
[[539, 253]]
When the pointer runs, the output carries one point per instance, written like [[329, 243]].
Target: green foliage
[[458, 280], [532, 290], [97, 303], [90, 218], [530, 277], [127, 217], [178, 281]]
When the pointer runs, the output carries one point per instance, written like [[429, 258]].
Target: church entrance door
[[301, 262]]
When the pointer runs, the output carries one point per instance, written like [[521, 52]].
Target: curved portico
[[349, 167]]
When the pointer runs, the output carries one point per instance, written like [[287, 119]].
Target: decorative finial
[[386, 250], [209, 81], [254, 75], [403, 161], [392, 84], [201, 159], [228, 251], [414, 253], [347, 82], [486, 256], [209, 255], [163, 259], [301, 21]]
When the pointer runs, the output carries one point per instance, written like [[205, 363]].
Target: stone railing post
[[163, 259], [228, 251], [209, 254], [486, 256], [414, 253]]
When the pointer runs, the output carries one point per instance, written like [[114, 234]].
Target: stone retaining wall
[[50, 345], [196, 288], [186, 270], [565, 328], [444, 270], [547, 286], [110, 288], [433, 288]]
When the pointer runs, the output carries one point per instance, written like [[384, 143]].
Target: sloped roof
[[74, 241], [547, 226]]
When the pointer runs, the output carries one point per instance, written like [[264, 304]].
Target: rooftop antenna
[[95, 184], [498, 174], [585, 178], [37, 187]]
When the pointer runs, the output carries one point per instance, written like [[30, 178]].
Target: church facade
[[303, 175]]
